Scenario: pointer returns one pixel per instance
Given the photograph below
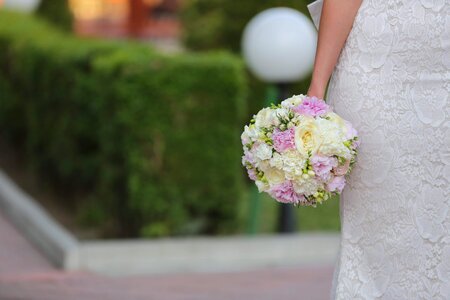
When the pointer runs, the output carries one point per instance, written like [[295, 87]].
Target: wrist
[[316, 90]]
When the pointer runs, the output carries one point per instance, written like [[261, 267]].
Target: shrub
[[57, 12], [149, 141], [218, 24]]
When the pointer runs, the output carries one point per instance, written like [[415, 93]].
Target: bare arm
[[335, 25]]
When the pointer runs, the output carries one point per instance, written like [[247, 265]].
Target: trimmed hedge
[[149, 142]]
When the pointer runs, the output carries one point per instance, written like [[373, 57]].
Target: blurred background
[[123, 117]]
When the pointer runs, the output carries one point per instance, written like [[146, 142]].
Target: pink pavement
[[26, 275]]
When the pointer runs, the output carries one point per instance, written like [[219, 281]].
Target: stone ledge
[[167, 255], [209, 254], [56, 243]]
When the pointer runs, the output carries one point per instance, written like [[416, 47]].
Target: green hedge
[[57, 12], [149, 142], [219, 24]]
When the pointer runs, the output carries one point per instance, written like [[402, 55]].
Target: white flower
[[266, 117], [293, 164], [245, 137], [251, 132], [262, 187], [282, 113], [332, 138], [277, 161], [274, 175], [335, 118], [293, 101], [263, 151], [331, 130], [307, 136], [338, 149], [307, 186]]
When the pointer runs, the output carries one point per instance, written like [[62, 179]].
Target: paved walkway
[[26, 275]]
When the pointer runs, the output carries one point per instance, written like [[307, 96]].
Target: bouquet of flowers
[[299, 151]]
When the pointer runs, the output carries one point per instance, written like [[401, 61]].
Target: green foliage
[[57, 12], [150, 142], [210, 24], [218, 24]]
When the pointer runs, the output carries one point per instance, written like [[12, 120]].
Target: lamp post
[[279, 46], [21, 5]]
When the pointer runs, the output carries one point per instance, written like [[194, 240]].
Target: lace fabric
[[392, 81]]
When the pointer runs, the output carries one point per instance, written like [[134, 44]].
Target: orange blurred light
[[89, 10]]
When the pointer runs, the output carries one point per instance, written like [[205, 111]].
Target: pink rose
[[336, 184]]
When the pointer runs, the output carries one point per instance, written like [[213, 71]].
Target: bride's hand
[[316, 91]]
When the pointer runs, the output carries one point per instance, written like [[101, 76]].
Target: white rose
[[330, 131], [263, 151], [333, 138], [336, 119], [274, 175], [266, 117], [307, 136]]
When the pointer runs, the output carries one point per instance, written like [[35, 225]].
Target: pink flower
[[336, 184], [350, 131], [283, 140], [285, 193], [248, 157], [342, 170], [322, 166], [356, 144], [252, 174], [312, 106]]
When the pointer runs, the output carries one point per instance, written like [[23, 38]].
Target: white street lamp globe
[[21, 5], [279, 45]]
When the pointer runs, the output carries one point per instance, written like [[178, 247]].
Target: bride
[[389, 64]]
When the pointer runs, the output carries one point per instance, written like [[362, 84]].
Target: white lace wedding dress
[[392, 81]]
